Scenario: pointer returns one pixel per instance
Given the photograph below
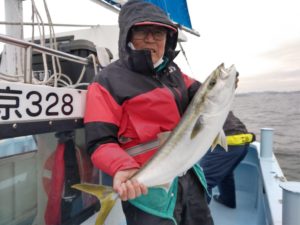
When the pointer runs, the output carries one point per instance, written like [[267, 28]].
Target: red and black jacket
[[129, 103], [125, 105]]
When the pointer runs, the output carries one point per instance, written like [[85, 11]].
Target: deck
[[252, 203]]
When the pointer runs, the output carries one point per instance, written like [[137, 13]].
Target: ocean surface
[[280, 111]]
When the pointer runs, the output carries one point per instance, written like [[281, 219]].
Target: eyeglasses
[[141, 32]]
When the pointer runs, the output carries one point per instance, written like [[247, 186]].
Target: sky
[[260, 37]]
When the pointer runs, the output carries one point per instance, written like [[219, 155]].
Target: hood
[[137, 11]]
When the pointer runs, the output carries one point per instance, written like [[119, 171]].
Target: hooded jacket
[[129, 102], [135, 12]]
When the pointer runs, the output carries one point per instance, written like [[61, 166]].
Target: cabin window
[[17, 145], [18, 180]]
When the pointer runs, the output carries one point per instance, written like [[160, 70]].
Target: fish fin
[[221, 140], [197, 127], [106, 196]]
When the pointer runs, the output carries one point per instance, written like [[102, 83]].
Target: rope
[[94, 62], [183, 52]]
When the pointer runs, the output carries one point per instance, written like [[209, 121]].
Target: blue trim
[[177, 10]]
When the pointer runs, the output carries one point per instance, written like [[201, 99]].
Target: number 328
[[53, 99]]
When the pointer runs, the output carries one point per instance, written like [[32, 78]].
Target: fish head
[[222, 80]]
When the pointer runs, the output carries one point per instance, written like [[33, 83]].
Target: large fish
[[198, 130]]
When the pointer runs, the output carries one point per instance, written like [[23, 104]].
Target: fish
[[196, 132], [199, 129]]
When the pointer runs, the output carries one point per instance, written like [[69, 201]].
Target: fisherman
[[129, 104], [218, 165]]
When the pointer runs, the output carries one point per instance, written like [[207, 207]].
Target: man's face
[[152, 38]]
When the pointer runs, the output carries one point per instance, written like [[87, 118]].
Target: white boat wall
[[42, 96]]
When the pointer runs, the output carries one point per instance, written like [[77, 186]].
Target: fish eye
[[212, 83]]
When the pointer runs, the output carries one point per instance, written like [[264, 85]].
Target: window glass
[[17, 145], [18, 189]]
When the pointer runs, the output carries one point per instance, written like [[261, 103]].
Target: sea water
[[280, 111]]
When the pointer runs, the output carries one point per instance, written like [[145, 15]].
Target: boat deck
[[244, 213], [251, 206]]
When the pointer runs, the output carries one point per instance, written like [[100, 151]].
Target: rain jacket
[[130, 102]]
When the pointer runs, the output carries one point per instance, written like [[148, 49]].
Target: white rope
[[94, 62], [52, 77], [81, 75], [11, 78], [53, 43]]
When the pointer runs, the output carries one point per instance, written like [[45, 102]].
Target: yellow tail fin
[[106, 196]]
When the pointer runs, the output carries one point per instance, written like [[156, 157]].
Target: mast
[[11, 60]]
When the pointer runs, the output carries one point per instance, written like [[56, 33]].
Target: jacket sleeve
[[192, 85], [102, 119]]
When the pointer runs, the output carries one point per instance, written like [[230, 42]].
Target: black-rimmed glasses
[[141, 32]]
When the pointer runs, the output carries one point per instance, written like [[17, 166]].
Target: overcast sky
[[261, 37]]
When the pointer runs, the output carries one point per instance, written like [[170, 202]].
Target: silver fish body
[[195, 133]]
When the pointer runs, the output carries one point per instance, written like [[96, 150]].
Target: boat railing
[[286, 209], [57, 109], [30, 47]]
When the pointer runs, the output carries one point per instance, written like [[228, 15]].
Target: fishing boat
[[42, 96]]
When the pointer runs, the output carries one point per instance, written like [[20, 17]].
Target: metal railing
[[30, 47]]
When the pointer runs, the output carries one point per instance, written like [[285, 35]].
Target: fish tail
[[105, 195]]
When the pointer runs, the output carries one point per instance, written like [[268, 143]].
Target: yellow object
[[240, 139], [106, 196]]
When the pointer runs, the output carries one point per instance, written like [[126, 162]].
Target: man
[[218, 165], [131, 101]]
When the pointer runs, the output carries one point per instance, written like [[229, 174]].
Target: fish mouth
[[223, 73], [226, 72]]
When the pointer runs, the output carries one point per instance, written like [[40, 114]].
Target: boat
[[42, 98], [264, 196]]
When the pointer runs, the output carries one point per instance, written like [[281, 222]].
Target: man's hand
[[126, 187]]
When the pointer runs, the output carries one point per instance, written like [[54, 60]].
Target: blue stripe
[[177, 10]]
